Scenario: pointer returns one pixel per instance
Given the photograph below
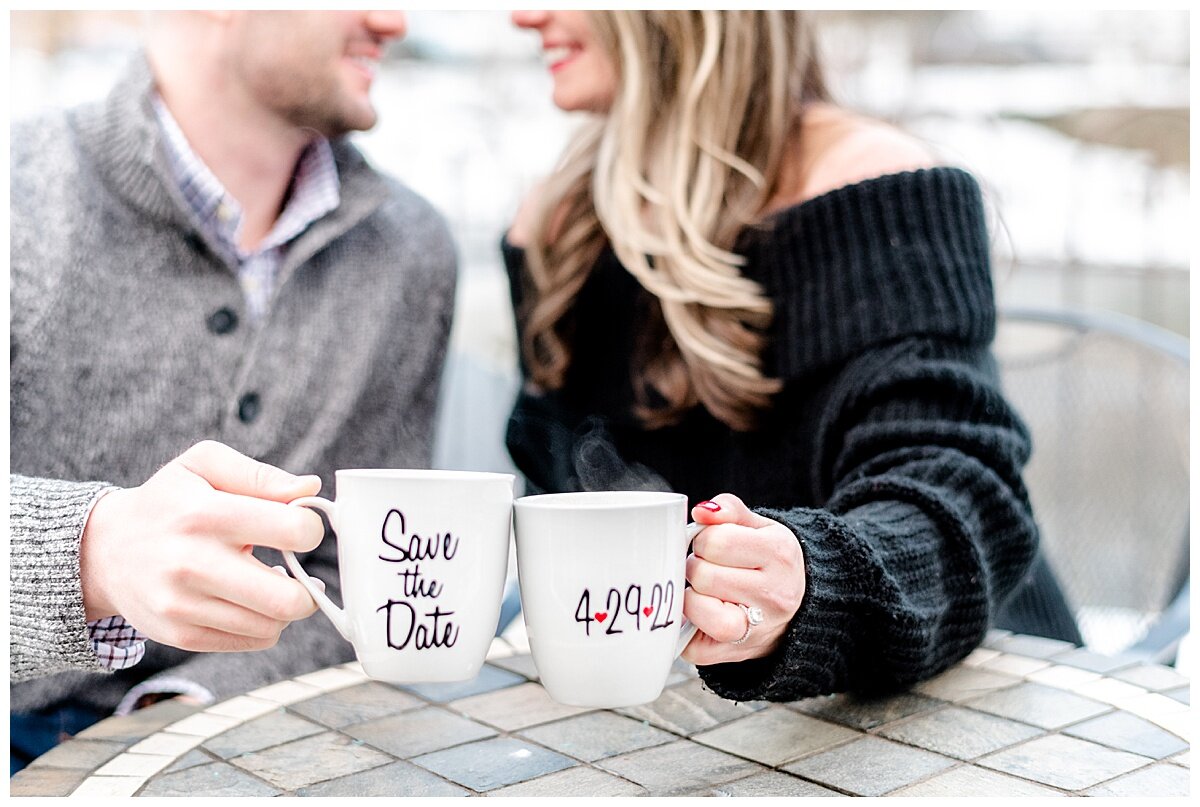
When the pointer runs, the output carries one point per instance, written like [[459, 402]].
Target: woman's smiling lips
[[556, 56]]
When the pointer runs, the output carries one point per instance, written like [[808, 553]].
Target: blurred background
[[1077, 125]]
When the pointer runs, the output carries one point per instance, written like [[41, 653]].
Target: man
[[203, 268]]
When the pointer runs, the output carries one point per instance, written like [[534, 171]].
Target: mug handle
[[336, 615], [686, 629]]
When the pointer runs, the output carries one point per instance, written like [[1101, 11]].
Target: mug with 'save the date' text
[[422, 557]]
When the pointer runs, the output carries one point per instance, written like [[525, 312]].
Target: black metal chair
[[1105, 397]]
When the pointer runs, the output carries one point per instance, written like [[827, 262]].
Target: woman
[[729, 283]]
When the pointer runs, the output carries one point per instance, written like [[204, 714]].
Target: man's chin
[[333, 127]]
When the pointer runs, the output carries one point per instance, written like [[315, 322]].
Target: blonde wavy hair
[[687, 157]]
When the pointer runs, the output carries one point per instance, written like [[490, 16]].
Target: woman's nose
[[530, 19]]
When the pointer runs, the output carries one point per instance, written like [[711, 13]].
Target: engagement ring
[[754, 616]]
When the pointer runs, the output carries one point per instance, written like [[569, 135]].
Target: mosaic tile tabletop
[[1019, 716]]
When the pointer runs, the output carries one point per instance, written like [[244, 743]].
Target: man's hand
[[743, 558], [173, 556]]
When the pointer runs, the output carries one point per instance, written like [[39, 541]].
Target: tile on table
[[683, 765], [1153, 677], [489, 764], [396, 779], [864, 713], [202, 724], [774, 736], [108, 787], [1034, 646], [356, 704], [1181, 724], [521, 664], [1183, 694], [577, 781], [189, 760], [1109, 690], [681, 671], [870, 766], [515, 707], [332, 678], [418, 732], [1061, 676], [1152, 705], [490, 679], [1019, 666], [243, 707], [966, 781], [771, 783], [960, 733], [688, 707], [1157, 780], [310, 760], [994, 638], [1086, 659], [45, 782], [134, 727], [1064, 762], [213, 779], [979, 656], [1038, 705], [1127, 732], [143, 765], [272, 729], [285, 692], [79, 755], [596, 735], [164, 742], [959, 683]]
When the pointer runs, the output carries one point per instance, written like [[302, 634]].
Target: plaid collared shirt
[[314, 192]]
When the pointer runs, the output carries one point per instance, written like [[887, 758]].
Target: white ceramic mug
[[602, 578], [422, 557]]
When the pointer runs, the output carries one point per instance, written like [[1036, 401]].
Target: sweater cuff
[[811, 657], [47, 627]]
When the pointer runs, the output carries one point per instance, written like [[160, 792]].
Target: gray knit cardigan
[[118, 364]]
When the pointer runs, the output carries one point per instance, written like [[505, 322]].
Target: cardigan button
[[195, 242], [222, 321], [248, 407]]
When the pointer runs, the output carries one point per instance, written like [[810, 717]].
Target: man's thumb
[[231, 471]]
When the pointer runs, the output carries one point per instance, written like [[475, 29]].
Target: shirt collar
[[315, 188]]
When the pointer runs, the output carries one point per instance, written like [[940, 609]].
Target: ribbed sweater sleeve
[[926, 529], [46, 624], [925, 525]]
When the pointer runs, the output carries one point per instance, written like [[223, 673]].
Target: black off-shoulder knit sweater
[[890, 453]]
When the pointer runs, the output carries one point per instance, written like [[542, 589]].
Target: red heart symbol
[[601, 616], [647, 610]]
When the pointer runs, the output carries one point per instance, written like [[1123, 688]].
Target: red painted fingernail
[[711, 507]]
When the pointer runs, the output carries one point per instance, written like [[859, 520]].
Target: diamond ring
[[754, 616]]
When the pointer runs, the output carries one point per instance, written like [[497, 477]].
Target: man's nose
[[387, 24]]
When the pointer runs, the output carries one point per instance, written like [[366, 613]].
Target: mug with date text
[[602, 577], [422, 556]]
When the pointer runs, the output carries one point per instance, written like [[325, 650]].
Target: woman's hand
[[741, 558]]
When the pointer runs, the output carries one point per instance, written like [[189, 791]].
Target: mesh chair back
[[1106, 400]]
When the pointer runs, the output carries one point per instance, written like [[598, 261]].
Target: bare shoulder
[[520, 232], [840, 148]]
